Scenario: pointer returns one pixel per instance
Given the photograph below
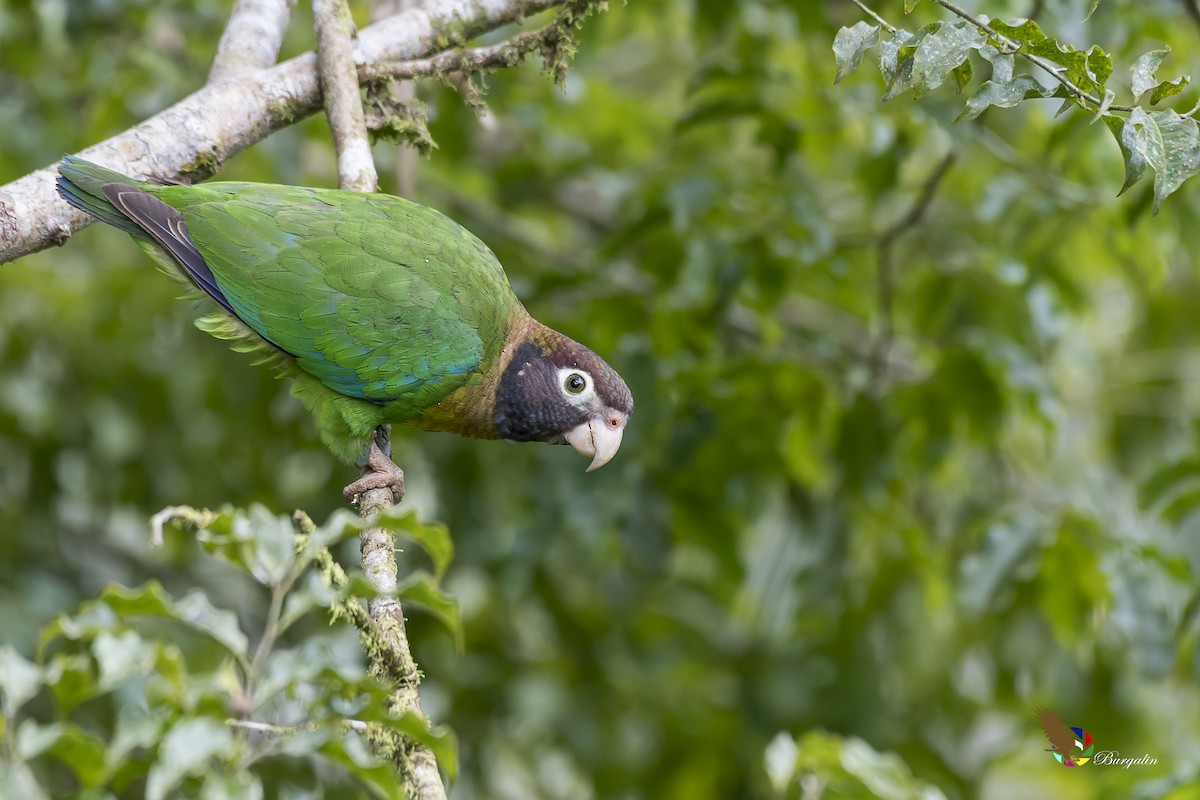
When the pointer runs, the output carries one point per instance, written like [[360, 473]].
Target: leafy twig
[[1013, 48], [890, 28], [1010, 47]]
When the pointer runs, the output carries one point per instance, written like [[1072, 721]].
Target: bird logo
[[1072, 747]]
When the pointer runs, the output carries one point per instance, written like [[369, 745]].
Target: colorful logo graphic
[[1072, 747]]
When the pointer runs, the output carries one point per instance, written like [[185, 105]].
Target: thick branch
[[252, 38], [343, 101], [191, 139]]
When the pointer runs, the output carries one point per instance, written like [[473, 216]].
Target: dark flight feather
[[165, 226]]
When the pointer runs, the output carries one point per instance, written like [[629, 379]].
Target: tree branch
[[505, 54], [191, 139], [383, 624], [252, 37], [886, 275], [343, 101]]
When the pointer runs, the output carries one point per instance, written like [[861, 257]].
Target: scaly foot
[[384, 474]]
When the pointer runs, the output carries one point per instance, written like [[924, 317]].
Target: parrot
[[379, 309]]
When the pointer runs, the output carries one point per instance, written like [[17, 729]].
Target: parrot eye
[[575, 383]]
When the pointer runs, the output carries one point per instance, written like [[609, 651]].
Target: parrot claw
[[384, 474]]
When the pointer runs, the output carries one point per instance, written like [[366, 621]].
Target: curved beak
[[599, 438]]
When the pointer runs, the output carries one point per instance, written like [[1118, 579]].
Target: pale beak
[[599, 438]]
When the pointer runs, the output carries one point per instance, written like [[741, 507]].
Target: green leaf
[[341, 525], [889, 54], [1170, 144], [1168, 89], [242, 785], [1003, 95], [962, 75], [423, 590], [432, 537], [1026, 31], [1166, 480], [33, 739], [72, 679], [1182, 506], [135, 728], [351, 754], [909, 5], [1143, 72], [17, 780], [194, 610], [81, 752], [1002, 63], [121, 656], [315, 593], [255, 541], [274, 543], [20, 680], [942, 52], [1092, 9], [1135, 164], [186, 749], [1088, 71], [850, 44], [1099, 65], [440, 740], [900, 73], [1144, 78]]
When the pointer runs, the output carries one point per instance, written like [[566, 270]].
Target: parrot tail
[[81, 184]]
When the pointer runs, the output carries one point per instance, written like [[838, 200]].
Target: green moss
[[204, 166]]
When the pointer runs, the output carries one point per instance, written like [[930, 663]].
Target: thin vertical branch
[[343, 102], [356, 171]]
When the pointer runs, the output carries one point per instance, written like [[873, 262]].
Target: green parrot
[[379, 309]]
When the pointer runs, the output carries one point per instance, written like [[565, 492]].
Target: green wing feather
[[378, 307], [378, 298]]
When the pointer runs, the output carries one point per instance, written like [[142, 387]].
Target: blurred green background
[[860, 525]]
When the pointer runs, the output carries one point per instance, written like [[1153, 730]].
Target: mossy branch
[[556, 43]]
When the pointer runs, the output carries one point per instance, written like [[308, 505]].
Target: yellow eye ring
[[575, 383]]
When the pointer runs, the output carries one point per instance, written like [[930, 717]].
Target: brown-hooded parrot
[[381, 311]]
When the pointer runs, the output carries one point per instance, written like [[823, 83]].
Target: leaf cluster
[[1163, 140], [142, 692]]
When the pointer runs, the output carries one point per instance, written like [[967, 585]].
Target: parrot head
[[556, 390]]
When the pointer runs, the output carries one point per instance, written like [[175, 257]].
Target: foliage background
[[885, 552]]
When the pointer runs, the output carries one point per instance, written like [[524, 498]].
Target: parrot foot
[[384, 474]]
